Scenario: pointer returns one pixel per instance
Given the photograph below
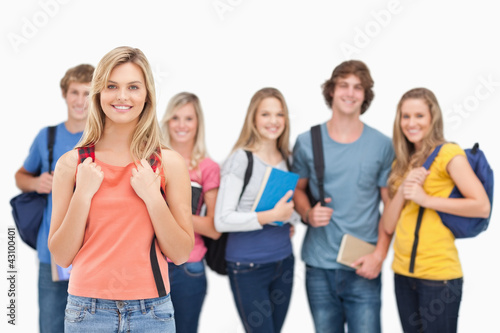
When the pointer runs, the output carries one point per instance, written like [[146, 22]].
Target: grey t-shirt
[[354, 174]]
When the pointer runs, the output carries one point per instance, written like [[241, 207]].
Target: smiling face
[[270, 119], [124, 96], [76, 100], [415, 120], [183, 126], [348, 95]]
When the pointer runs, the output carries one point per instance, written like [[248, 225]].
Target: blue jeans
[[338, 296], [188, 287], [428, 305], [91, 315], [51, 301], [262, 293]]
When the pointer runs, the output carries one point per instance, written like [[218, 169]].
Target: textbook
[[352, 248], [274, 186]]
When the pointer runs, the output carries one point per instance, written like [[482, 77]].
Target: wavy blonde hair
[[407, 157], [146, 138], [250, 137], [179, 100]]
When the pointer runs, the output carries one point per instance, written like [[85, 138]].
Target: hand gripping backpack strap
[[426, 165]]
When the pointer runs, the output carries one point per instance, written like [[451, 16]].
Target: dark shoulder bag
[[28, 207], [216, 249]]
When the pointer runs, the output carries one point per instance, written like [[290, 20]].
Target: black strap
[[415, 240], [51, 138], [160, 286], [248, 172], [426, 165], [319, 161]]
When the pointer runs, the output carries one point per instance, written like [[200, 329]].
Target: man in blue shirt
[[36, 175], [358, 160]]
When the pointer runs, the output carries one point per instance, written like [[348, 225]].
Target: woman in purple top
[[259, 254]]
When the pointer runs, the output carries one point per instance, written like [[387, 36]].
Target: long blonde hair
[[250, 137], [199, 149], [407, 157], [146, 138]]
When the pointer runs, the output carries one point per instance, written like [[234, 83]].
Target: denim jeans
[[262, 293], [188, 287], [429, 306], [52, 298], [91, 315], [338, 297]]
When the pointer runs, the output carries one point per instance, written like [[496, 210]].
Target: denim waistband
[[121, 305]]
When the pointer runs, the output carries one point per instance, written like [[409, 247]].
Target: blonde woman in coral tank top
[[110, 219]]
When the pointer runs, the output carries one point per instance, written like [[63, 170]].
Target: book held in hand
[[352, 248], [274, 186]]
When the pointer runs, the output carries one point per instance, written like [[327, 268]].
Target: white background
[[224, 51]]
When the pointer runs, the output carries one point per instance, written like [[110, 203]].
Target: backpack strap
[[248, 172], [51, 139], [427, 164], [154, 161], [319, 161], [84, 152]]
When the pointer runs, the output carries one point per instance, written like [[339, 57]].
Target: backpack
[[460, 226], [28, 207], [89, 151], [216, 249]]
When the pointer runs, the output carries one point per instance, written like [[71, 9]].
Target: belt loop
[[94, 301], [143, 306]]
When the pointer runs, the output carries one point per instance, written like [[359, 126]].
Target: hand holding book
[[275, 195]]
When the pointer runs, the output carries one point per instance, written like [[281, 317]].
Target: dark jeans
[[429, 306], [52, 297], [262, 293], [188, 287], [338, 297]]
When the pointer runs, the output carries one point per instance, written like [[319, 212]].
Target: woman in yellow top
[[429, 297]]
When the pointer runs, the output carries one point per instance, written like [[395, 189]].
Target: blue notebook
[[274, 186]]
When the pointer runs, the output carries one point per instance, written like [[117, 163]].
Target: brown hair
[[346, 68], [80, 74]]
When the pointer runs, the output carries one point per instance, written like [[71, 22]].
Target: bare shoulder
[[68, 161], [172, 159]]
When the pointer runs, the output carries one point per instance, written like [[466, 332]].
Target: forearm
[[66, 241], [26, 182], [383, 242], [391, 213], [302, 205], [468, 207], [175, 241], [204, 225]]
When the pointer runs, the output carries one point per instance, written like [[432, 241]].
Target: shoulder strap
[[319, 161], [427, 164], [51, 138], [84, 152], [432, 156], [248, 172]]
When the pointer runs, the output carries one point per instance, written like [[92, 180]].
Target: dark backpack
[[216, 249], [460, 226], [28, 207]]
